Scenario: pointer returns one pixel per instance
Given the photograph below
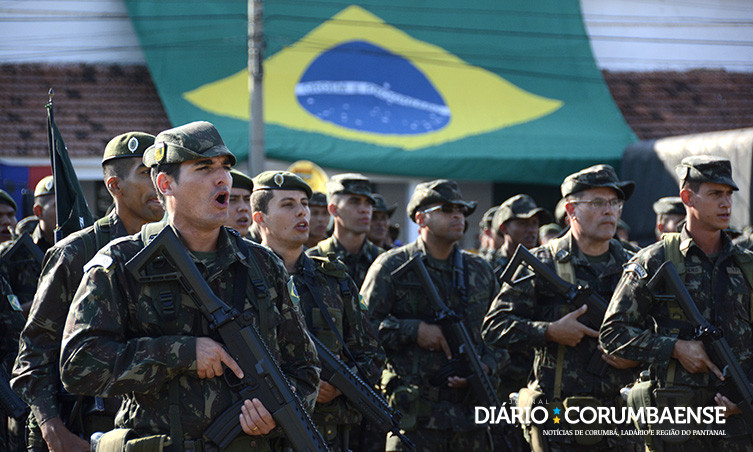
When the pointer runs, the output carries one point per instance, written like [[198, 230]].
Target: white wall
[[625, 34]]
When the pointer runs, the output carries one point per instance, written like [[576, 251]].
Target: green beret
[[381, 206], [350, 184], [6, 198], [437, 191], [193, 141], [519, 206], [318, 199], [669, 205], [281, 180], [131, 144], [706, 168], [240, 180], [597, 176], [46, 186]]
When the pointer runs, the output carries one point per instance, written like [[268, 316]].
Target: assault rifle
[[262, 378], [23, 242], [713, 338], [575, 295], [361, 396], [466, 362], [10, 403]]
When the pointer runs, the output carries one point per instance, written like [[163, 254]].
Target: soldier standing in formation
[[36, 375], [320, 219], [7, 216], [532, 315], [329, 298], [351, 204], [669, 213], [125, 338], [718, 275], [379, 232], [239, 217], [435, 417]]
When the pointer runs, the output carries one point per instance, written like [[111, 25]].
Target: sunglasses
[[449, 208]]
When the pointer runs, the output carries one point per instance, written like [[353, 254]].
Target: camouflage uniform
[[396, 307], [23, 272], [520, 315], [11, 321], [118, 343], [340, 295], [638, 326], [358, 264], [36, 374]]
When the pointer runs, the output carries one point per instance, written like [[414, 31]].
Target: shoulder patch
[[293, 293], [636, 268], [362, 303], [14, 303], [100, 260]]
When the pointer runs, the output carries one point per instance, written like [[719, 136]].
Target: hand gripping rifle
[[463, 348], [360, 395], [740, 390], [262, 377], [10, 403], [572, 294]]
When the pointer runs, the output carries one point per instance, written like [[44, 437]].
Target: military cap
[[550, 228], [669, 205], [46, 186], [318, 199], [595, 177], [281, 180], [240, 180], [486, 219], [193, 141], [381, 205], [350, 184], [519, 206], [437, 191], [706, 168], [560, 213], [131, 144], [5, 198]]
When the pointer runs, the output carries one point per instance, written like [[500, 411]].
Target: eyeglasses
[[449, 208], [600, 204]]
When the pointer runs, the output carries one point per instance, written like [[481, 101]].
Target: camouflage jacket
[[121, 338], [358, 264], [521, 314], [23, 272], [330, 282], [11, 321], [397, 306], [639, 327], [36, 374]]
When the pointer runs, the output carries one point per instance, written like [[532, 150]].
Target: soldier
[[350, 204], [23, 272], [717, 274], [436, 417], [319, 219], [516, 222], [380, 223], [240, 204], [36, 375], [329, 298], [136, 340], [12, 438], [7, 216], [669, 213], [530, 315], [487, 243]]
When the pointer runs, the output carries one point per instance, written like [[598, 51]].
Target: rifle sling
[[565, 271]]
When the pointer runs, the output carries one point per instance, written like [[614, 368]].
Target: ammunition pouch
[[407, 400], [584, 402], [646, 394], [126, 440], [528, 397]]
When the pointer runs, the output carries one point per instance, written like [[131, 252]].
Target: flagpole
[[256, 154], [53, 160]]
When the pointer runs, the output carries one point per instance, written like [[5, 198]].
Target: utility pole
[[256, 152]]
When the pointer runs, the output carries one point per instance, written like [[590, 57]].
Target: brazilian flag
[[500, 91], [72, 210]]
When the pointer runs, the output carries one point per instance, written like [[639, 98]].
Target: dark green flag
[[72, 210]]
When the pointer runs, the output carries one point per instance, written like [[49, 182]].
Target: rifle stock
[[10, 403], [458, 333], [712, 337], [263, 379]]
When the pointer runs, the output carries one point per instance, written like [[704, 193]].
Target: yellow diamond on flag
[[358, 78]]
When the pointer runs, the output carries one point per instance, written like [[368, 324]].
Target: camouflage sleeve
[[627, 327], [35, 376], [100, 358], [496, 358], [378, 293], [11, 321], [360, 339], [299, 360], [512, 320]]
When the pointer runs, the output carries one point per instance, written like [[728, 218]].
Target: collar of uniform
[[341, 251], [304, 265], [117, 229], [430, 261], [228, 250], [567, 244], [687, 242]]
